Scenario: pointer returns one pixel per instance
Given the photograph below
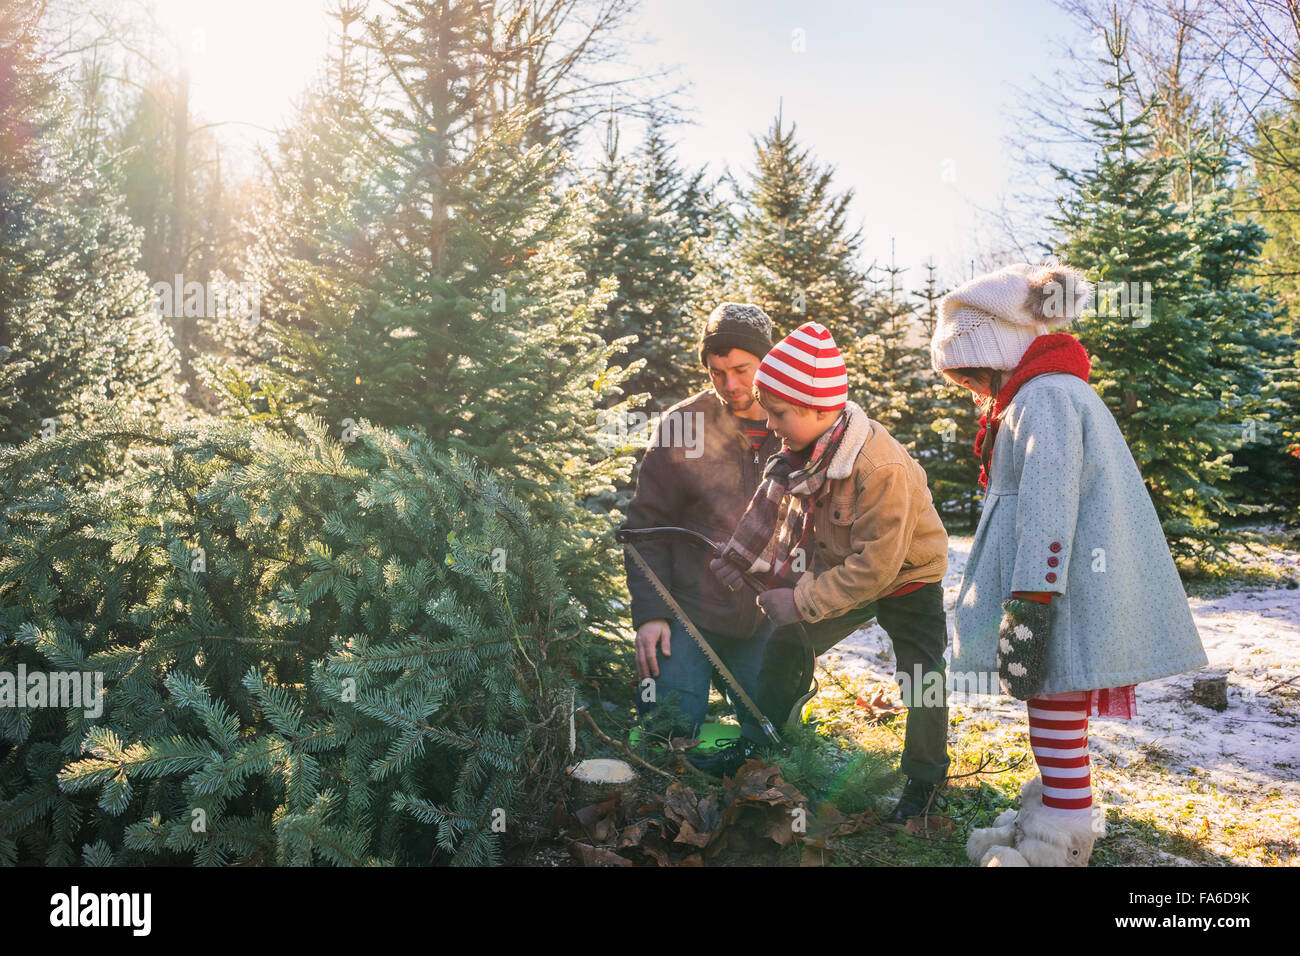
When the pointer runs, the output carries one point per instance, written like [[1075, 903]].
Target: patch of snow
[[1177, 762]]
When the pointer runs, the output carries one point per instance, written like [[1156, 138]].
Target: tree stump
[[595, 780], [1211, 691]]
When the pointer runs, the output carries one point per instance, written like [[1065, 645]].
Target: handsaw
[[752, 580]]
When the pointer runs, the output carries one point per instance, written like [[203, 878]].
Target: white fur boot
[[992, 846], [985, 840], [1047, 839], [1035, 836]]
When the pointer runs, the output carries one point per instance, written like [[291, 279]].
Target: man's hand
[[779, 606], [727, 573], [649, 636]]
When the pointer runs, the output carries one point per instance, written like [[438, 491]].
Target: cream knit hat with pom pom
[[991, 320]]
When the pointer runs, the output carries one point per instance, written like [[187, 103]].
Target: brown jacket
[[703, 483], [876, 526]]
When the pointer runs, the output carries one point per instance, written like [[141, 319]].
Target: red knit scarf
[[1055, 352]]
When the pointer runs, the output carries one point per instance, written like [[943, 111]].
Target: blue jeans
[[681, 691]]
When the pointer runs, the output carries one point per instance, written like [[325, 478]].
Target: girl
[[1070, 594]]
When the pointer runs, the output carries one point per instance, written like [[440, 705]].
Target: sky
[[248, 60], [909, 100]]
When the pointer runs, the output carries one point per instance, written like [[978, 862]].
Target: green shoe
[[710, 736], [725, 759]]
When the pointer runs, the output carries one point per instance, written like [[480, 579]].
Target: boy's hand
[[727, 573], [649, 636], [779, 606]]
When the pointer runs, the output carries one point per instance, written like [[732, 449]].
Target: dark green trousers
[[917, 629]]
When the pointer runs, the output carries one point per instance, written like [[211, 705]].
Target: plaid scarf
[[758, 544]]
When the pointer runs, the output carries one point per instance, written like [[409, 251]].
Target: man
[[703, 485]]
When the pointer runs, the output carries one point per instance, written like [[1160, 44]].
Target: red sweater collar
[[1054, 352]]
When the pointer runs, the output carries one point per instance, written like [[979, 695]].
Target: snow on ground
[[1229, 781]]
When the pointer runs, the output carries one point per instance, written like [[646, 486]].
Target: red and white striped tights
[[1058, 735]]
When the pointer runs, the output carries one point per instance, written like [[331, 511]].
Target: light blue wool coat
[[1064, 486]]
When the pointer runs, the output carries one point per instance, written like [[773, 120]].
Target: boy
[[844, 481]]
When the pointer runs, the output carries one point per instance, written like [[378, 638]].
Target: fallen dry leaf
[[693, 837], [756, 813], [598, 820], [780, 831], [757, 782], [589, 855], [682, 806], [828, 823], [879, 704], [647, 837], [930, 826]]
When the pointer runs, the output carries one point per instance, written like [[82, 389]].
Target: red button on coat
[[1053, 562], [1051, 576], [1055, 546]]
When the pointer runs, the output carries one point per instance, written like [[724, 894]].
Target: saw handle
[[753, 581]]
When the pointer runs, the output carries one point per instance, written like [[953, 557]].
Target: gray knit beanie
[[736, 325]]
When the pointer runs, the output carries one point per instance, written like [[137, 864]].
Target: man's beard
[[741, 404]]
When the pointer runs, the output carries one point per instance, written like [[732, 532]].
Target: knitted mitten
[[1022, 647]]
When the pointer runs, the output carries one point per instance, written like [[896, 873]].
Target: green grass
[[1257, 564], [827, 768], [1218, 580], [849, 758]]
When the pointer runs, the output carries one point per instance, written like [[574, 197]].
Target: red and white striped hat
[[805, 368]]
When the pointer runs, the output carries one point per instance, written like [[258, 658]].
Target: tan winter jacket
[[876, 526]]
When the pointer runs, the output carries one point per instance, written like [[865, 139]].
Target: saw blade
[[704, 645]]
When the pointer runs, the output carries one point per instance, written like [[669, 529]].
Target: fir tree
[[944, 418], [1270, 184], [441, 287], [889, 362], [794, 253], [312, 651], [638, 237], [1153, 360], [314, 229], [75, 313], [692, 196], [1256, 377]]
